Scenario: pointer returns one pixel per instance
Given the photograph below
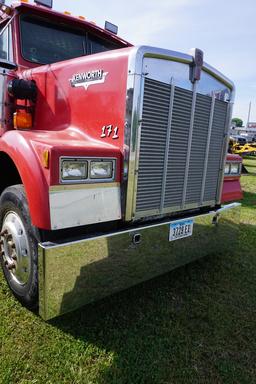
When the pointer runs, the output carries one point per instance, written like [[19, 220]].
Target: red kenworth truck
[[112, 159]]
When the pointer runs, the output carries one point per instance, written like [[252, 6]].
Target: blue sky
[[224, 29]]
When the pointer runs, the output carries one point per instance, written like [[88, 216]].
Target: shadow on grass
[[249, 171], [195, 324], [249, 163], [249, 200]]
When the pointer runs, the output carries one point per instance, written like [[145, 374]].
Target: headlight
[[74, 170], [234, 169], [227, 169], [101, 169]]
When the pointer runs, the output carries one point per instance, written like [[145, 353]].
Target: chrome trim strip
[[73, 187], [167, 146], [207, 149], [127, 182], [190, 137], [132, 124], [224, 152], [138, 140], [132, 132], [139, 52]]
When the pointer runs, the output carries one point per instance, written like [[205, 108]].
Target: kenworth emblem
[[85, 79]]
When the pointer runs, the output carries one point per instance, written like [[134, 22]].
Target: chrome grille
[[166, 114]]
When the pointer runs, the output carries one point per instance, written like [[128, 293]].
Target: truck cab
[[112, 158]]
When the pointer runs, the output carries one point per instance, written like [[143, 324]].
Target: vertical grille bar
[[168, 135], [198, 149], [189, 145], [207, 149], [224, 150], [181, 117]]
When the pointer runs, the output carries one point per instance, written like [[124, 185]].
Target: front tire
[[19, 257]]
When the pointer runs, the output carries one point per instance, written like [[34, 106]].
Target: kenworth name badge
[[85, 79]]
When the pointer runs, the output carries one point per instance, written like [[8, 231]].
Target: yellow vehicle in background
[[242, 150]]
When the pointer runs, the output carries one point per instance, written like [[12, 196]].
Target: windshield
[[45, 43]]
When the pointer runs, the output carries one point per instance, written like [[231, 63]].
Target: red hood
[[82, 110]]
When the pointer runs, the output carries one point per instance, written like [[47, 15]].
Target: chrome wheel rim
[[15, 248]]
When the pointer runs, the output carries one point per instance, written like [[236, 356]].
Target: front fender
[[18, 147]]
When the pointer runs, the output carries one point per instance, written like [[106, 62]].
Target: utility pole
[[249, 113]]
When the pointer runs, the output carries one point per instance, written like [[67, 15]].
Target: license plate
[[181, 229]]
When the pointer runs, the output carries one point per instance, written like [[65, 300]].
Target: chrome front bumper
[[74, 274]]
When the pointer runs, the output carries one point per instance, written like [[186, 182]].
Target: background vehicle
[[232, 190], [241, 140], [113, 159], [243, 150]]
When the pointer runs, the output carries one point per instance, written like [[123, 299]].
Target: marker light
[[22, 119], [81, 17], [45, 158], [67, 13]]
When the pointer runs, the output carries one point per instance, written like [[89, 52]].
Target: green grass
[[250, 163], [196, 324]]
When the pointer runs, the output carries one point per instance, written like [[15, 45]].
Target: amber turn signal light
[[22, 120], [45, 158]]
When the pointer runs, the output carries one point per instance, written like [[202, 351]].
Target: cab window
[[44, 42], [97, 45], [6, 43]]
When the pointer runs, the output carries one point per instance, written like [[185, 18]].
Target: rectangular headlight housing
[[101, 169], [234, 168], [74, 169]]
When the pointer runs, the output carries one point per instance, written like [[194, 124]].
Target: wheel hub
[[15, 248]]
